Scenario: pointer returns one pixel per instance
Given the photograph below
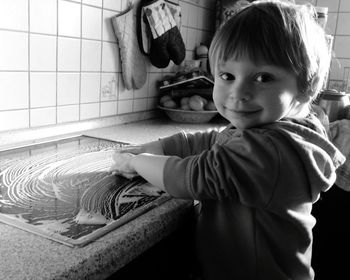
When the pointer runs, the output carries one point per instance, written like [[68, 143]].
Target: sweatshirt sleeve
[[244, 168], [184, 144]]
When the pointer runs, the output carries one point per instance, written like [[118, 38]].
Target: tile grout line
[[100, 74], [81, 56], [56, 95], [29, 68]]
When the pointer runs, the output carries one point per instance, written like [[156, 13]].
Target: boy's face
[[249, 94]]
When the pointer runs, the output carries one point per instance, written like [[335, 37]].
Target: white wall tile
[[91, 55], [201, 19], [125, 4], [42, 52], [108, 108], [68, 88], [42, 89], [141, 92], [67, 113], [185, 9], [68, 54], [153, 84], [331, 23], [92, 21], [344, 6], [190, 55], [109, 86], [200, 38], [42, 116], [192, 16], [90, 87], [191, 40], [123, 92], [112, 5], [69, 18], [152, 69], [152, 103], [89, 111], [343, 25], [183, 33], [110, 57], [341, 46], [337, 68], [331, 4], [14, 14], [108, 32], [43, 16], [140, 105], [97, 3], [14, 90], [13, 50], [125, 106], [18, 119]]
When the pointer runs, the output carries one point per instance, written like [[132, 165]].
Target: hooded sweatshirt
[[256, 188]]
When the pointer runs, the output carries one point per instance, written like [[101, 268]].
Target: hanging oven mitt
[[134, 69], [144, 34], [166, 43]]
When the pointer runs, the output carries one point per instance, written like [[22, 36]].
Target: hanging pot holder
[[134, 69], [159, 34]]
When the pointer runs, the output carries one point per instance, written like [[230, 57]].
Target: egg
[[196, 103], [210, 106]]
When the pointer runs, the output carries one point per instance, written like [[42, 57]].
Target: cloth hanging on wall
[[159, 34], [134, 68]]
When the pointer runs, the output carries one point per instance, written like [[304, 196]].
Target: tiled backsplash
[[60, 63], [338, 25]]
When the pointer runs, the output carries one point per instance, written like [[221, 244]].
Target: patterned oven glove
[[166, 43], [134, 69]]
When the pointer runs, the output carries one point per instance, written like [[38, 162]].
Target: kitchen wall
[[60, 63], [338, 25]]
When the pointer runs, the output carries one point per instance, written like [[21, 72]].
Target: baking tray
[[63, 190]]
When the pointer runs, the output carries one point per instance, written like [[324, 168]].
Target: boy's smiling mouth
[[242, 111]]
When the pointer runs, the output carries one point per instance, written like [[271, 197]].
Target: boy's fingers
[[128, 175]]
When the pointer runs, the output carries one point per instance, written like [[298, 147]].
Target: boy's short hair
[[278, 33]]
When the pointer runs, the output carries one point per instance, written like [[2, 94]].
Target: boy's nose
[[240, 91]]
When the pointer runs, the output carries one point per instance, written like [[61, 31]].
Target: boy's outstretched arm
[[151, 168]]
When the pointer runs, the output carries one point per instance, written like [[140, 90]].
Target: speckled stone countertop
[[24, 255]]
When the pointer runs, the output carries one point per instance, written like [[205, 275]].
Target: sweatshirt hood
[[319, 156]]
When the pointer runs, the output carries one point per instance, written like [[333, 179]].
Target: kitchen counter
[[28, 256]]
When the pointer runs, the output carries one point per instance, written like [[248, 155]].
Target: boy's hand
[[122, 165]]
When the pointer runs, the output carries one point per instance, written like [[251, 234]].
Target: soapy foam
[[63, 188]]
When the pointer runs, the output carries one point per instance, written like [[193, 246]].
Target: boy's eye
[[264, 78], [227, 76]]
